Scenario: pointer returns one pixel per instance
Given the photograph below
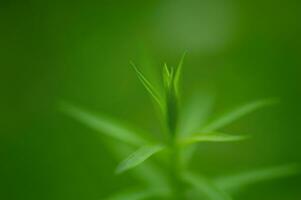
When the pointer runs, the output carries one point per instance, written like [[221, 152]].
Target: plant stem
[[172, 117], [175, 171]]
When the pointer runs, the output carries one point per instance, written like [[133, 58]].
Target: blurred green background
[[79, 51]]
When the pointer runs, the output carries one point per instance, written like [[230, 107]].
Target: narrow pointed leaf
[[150, 174], [195, 113], [179, 71], [212, 137], [238, 181], [138, 157], [238, 113], [205, 187], [103, 125], [148, 86], [166, 76]]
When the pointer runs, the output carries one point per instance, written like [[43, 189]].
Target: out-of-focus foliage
[[182, 183], [80, 52]]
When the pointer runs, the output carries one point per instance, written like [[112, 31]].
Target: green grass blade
[[238, 181], [166, 75], [148, 86], [178, 72], [103, 125], [150, 174], [138, 157], [205, 187], [212, 137], [238, 113]]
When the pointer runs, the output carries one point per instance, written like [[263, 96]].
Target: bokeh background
[[79, 51]]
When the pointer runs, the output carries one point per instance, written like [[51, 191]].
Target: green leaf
[[166, 75], [195, 113], [205, 187], [238, 113], [138, 157], [212, 137], [150, 174], [148, 86], [178, 72], [238, 181], [103, 125], [171, 100]]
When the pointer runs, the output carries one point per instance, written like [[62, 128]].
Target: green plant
[[169, 178]]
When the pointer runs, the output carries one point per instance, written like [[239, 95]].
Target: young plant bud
[[171, 78], [171, 100]]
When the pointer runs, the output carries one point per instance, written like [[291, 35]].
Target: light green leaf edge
[[237, 113], [103, 125], [138, 157], [150, 174], [148, 86], [167, 73], [205, 187], [178, 72], [212, 137], [232, 183]]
